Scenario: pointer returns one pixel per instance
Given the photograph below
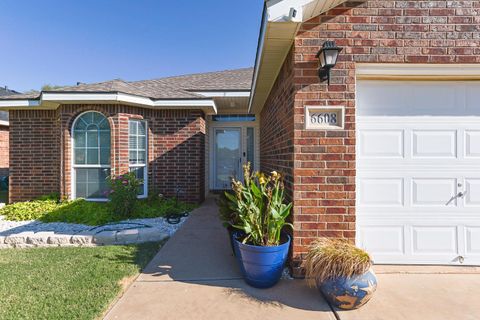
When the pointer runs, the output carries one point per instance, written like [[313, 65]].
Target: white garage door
[[418, 171]]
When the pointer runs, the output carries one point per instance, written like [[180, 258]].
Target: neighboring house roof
[[4, 91], [179, 87], [3, 114]]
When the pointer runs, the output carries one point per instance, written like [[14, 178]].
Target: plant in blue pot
[[261, 246], [342, 272], [228, 216]]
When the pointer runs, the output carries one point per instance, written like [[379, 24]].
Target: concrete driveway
[[195, 276], [423, 293]]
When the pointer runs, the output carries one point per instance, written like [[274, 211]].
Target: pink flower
[[124, 182]]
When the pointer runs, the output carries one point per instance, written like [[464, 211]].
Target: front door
[[227, 156]]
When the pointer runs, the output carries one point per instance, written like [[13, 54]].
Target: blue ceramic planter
[[262, 267], [349, 293]]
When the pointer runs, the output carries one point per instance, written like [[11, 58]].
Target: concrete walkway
[[195, 276]]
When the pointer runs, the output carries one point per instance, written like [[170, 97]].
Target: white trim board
[[207, 105]]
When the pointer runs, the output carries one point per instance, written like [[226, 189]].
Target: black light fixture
[[328, 56]]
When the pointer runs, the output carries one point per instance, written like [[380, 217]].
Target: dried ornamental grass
[[333, 258]]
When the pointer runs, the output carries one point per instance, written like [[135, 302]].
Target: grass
[[67, 283], [331, 258], [87, 212]]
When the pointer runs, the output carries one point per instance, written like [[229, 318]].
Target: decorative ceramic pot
[[349, 293], [262, 267], [231, 231]]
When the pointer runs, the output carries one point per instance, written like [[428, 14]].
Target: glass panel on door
[[228, 156]]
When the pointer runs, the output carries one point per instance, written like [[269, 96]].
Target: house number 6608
[[323, 118]]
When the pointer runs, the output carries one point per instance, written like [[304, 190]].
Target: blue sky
[[60, 42]]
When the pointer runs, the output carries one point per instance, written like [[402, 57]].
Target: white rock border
[[121, 233], [83, 239]]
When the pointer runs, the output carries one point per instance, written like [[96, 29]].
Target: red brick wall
[[370, 32], [176, 149], [34, 154], [4, 150], [276, 127]]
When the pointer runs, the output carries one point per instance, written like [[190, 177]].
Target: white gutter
[[19, 103], [206, 104], [258, 58], [224, 94]]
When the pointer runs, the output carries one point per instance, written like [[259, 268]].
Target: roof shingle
[[179, 87]]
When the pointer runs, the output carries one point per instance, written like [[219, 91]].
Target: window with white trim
[[137, 151], [91, 156]]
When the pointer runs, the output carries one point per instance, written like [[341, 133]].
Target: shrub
[[87, 212], [332, 258], [123, 193], [260, 206], [29, 210]]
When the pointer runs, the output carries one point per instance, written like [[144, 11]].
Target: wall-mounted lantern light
[[328, 56]]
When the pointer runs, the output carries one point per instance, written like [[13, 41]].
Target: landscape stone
[[59, 239], [105, 238], [39, 238], [83, 238], [127, 236], [18, 238]]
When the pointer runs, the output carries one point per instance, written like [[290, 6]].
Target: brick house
[[387, 154], [4, 146]]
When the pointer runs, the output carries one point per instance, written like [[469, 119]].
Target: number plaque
[[324, 118]]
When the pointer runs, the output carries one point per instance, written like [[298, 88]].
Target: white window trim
[[145, 171], [73, 166]]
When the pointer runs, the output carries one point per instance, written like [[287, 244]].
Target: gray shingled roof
[[239, 79], [179, 87], [5, 92]]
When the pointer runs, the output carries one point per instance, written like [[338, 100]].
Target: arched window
[[91, 155]]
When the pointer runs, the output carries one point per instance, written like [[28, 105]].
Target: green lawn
[[67, 283]]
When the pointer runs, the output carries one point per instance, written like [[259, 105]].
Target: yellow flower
[[261, 178], [275, 175]]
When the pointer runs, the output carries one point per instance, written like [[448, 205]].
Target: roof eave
[[49, 100], [280, 24]]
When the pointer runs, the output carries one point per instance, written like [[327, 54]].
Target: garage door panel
[[472, 97], [472, 240], [383, 239], [472, 143], [385, 192], [415, 154], [434, 192], [438, 144], [472, 192], [402, 98], [382, 144], [434, 240]]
